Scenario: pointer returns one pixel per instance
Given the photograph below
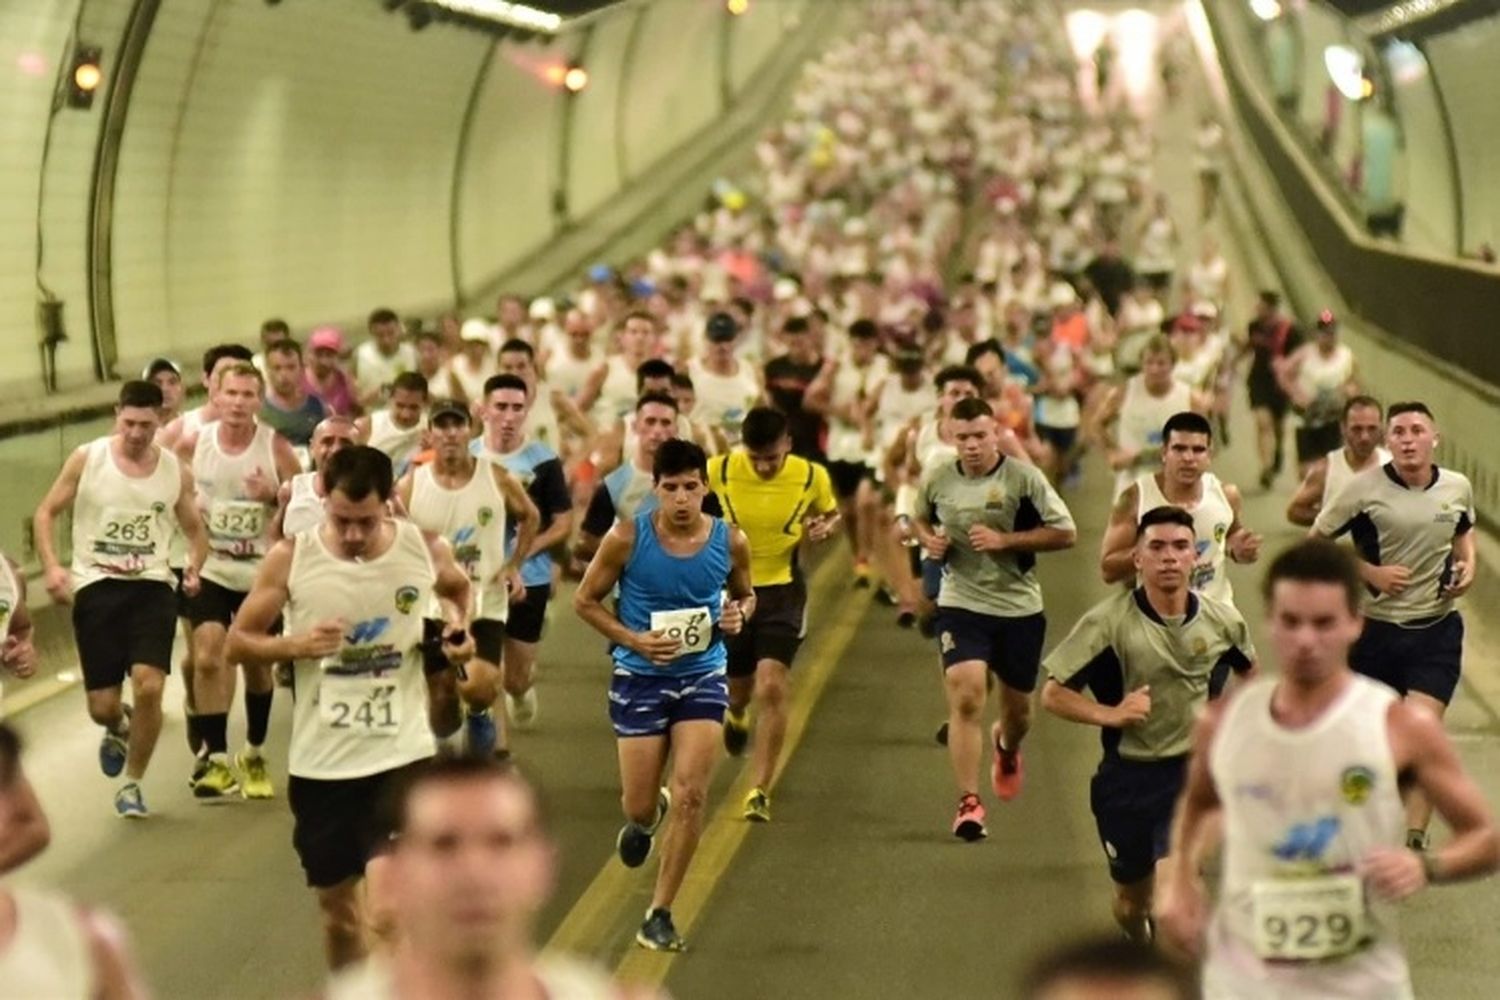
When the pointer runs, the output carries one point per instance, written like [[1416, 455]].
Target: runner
[[468, 929], [775, 498], [216, 361], [167, 376], [1363, 428], [1185, 481], [1148, 656], [1412, 524], [300, 500], [537, 467], [472, 502], [985, 517], [126, 495], [396, 428], [238, 465], [379, 361], [49, 945], [18, 652], [288, 408], [354, 593], [1270, 338], [1137, 410], [1318, 378], [611, 390], [727, 387], [553, 419], [1304, 774], [667, 643]]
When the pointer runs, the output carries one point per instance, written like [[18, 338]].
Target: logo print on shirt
[[1307, 841], [486, 515], [1356, 783], [406, 599], [367, 631]]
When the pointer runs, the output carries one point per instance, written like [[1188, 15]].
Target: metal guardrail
[[1439, 306]]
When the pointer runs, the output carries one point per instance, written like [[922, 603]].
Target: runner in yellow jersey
[[776, 498]]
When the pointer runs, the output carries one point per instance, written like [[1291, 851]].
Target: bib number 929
[[1325, 918], [359, 706]]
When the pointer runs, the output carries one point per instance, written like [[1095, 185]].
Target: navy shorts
[[1010, 647], [651, 704], [1132, 803], [1425, 658]]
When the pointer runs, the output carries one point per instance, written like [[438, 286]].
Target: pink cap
[[326, 338]]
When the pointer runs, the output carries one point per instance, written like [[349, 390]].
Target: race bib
[[1305, 920], [126, 531], [239, 520], [690, 626], [359, 706]]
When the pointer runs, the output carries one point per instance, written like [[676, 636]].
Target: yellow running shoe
[[216, 783], [255, 779], [758, 806]]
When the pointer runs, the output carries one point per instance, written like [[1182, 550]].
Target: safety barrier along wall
[[316, 158], [1438, 306]]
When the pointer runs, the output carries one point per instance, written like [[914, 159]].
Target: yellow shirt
[[770, 511]]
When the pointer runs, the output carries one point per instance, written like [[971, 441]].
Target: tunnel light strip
[[516, 15], [1402, 14]]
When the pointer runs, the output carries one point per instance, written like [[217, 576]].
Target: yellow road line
[[588, 924]]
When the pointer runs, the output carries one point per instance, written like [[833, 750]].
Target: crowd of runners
[[947, 296]]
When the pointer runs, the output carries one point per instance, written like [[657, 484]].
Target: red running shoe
[[969, 823], [1005, 770]]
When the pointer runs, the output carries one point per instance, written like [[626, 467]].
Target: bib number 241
[[359, 706]]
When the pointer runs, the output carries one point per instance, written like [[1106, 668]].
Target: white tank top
[[1340, 472], [899, 406], [1301, 806], [1141, 419], [122, 526], [10, 596], [568, 374], [364, 709], [398, 443], [541, 420], [1323, 379], [304, 508], [239, 530], [49, 954], [723, 400], [473, 521], [1212, 517], [931, 449], [560, 979], [851, 385], [617, 395]]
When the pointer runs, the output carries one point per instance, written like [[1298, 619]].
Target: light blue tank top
[[655, 581]]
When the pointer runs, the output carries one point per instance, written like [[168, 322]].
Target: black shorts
[[1426, 658], [214, 603], [337, 826], [847, 476], [1132, 803], [527, 618], [489, 643], [1265, 394], [774, 632], [182, 599], [119, 623], [1061, 439], [1313, 442], [1010, 647]]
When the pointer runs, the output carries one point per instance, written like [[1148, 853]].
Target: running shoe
[[482, 733], [942, 735], [906, 619], [1005, 769], [112, 750], [522, 710], [129, 803], [217, 782], [758, 806], [634, 841], [736, 732], [255, 777], [968, 824], [658, 933]]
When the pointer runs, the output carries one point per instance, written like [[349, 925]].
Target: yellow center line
[[599, 909]]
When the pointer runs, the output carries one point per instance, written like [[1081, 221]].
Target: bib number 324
[[690, 626], [359, 706], [1304, 920]]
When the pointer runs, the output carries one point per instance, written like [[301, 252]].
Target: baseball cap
[[1327, 320], [543, 310], [448, 408], [474, 330], [326, 338], [156, 366], [601, 273], [721, 328]]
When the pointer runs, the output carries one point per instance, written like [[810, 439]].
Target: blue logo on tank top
[[367, 631], [1307, 841]]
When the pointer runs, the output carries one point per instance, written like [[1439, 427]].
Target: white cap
[[1061, 294], [543, 309], [475, 330], [785, 289]]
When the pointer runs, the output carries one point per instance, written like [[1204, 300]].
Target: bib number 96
[[690, 626]]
